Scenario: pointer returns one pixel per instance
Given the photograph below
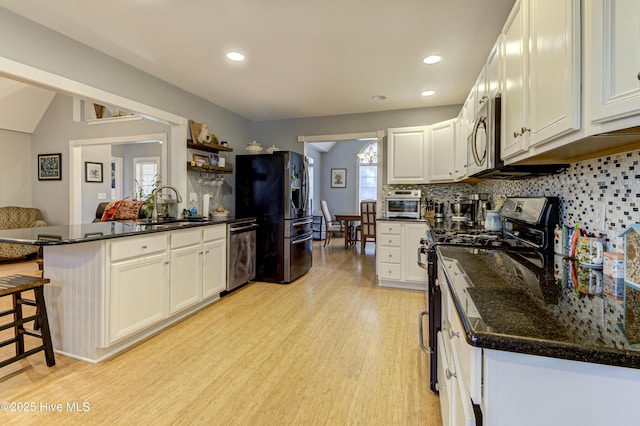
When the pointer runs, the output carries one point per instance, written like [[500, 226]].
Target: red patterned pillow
[[110, 211], [128, 209]]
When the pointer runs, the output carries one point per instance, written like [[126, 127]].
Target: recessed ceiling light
[[428, 93], [433, 59], [379, 97], [235, 56]]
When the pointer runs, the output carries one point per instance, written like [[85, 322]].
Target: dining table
[[349, 219]]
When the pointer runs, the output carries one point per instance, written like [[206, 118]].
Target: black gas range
[[526, 238]]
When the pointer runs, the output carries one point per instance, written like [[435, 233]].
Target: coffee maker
[[479, 206]]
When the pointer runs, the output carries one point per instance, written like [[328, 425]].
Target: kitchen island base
[[108, 295]]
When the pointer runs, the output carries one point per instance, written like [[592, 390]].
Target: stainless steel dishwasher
[[241, 252]]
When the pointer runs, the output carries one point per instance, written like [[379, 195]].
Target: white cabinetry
[[214, 275], [110, 294], [514, 73], [460, 161], [138, 284], [407, 155], [541, 73], [397, 246], [186, 269], [458, 362], [615, 50], [442, 151]]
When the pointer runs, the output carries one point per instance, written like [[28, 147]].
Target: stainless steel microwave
[[483, 149]]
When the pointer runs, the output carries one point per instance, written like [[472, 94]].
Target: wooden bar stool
[[14, 285]]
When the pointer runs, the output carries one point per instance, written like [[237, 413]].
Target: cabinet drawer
[[138, 246], [389, 271], [216, 232], [390, 228], [390, 254], [389, 240], [186, 238]]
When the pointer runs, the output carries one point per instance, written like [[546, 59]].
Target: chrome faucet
[[154, 215]]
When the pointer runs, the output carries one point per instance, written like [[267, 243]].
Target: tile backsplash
[[610, 183]]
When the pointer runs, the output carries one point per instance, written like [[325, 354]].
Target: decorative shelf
[[210, 169], [211, 147]]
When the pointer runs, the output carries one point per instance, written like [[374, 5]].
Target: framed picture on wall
[[92, 172], [338, 178], [49, 166]]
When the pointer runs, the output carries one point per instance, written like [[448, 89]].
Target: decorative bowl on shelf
[[218, 214], [272, 149], [254, 147], [200, 162]]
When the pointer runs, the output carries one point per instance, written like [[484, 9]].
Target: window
[[368, 172], [146, 170]]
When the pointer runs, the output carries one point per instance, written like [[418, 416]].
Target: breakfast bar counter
[[114, 284]]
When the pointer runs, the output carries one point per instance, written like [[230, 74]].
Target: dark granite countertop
[[73, 234], [565, 311]]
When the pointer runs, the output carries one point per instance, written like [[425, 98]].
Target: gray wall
[[52, 135], [15, 169], [341, 156]]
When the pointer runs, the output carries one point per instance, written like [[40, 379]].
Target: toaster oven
[[403, 203]]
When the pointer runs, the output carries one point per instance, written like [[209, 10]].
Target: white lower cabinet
[[397, 244], [138, 285], [186, 269], [155, 276], [214, 269]]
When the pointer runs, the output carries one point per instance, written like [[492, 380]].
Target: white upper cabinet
[[493, 72], [615, 50], [462, 132], [541, 73], [442, 157], [554, 68], [407, 155], [514, 90]]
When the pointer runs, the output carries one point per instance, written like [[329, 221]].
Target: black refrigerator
[[275, 189]]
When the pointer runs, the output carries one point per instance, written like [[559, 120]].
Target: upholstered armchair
[[18, 217]]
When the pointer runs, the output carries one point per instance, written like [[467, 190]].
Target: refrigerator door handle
[[305, 184], [302, 240]]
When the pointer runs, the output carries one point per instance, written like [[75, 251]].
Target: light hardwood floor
[[331, 348]]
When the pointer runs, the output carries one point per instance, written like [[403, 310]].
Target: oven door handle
[[421, 331], [242, 228]]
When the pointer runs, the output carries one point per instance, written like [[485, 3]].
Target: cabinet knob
[[639, 76], [144, 247], [449, 374], [166, 262], [206, 251], [453, 334], [199, 252]]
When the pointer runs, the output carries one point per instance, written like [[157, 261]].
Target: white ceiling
[[305, 58]]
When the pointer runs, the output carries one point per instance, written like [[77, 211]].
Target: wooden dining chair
[[333, 226], [368, 223]]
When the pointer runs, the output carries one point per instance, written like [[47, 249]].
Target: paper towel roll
[[206, 199]]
